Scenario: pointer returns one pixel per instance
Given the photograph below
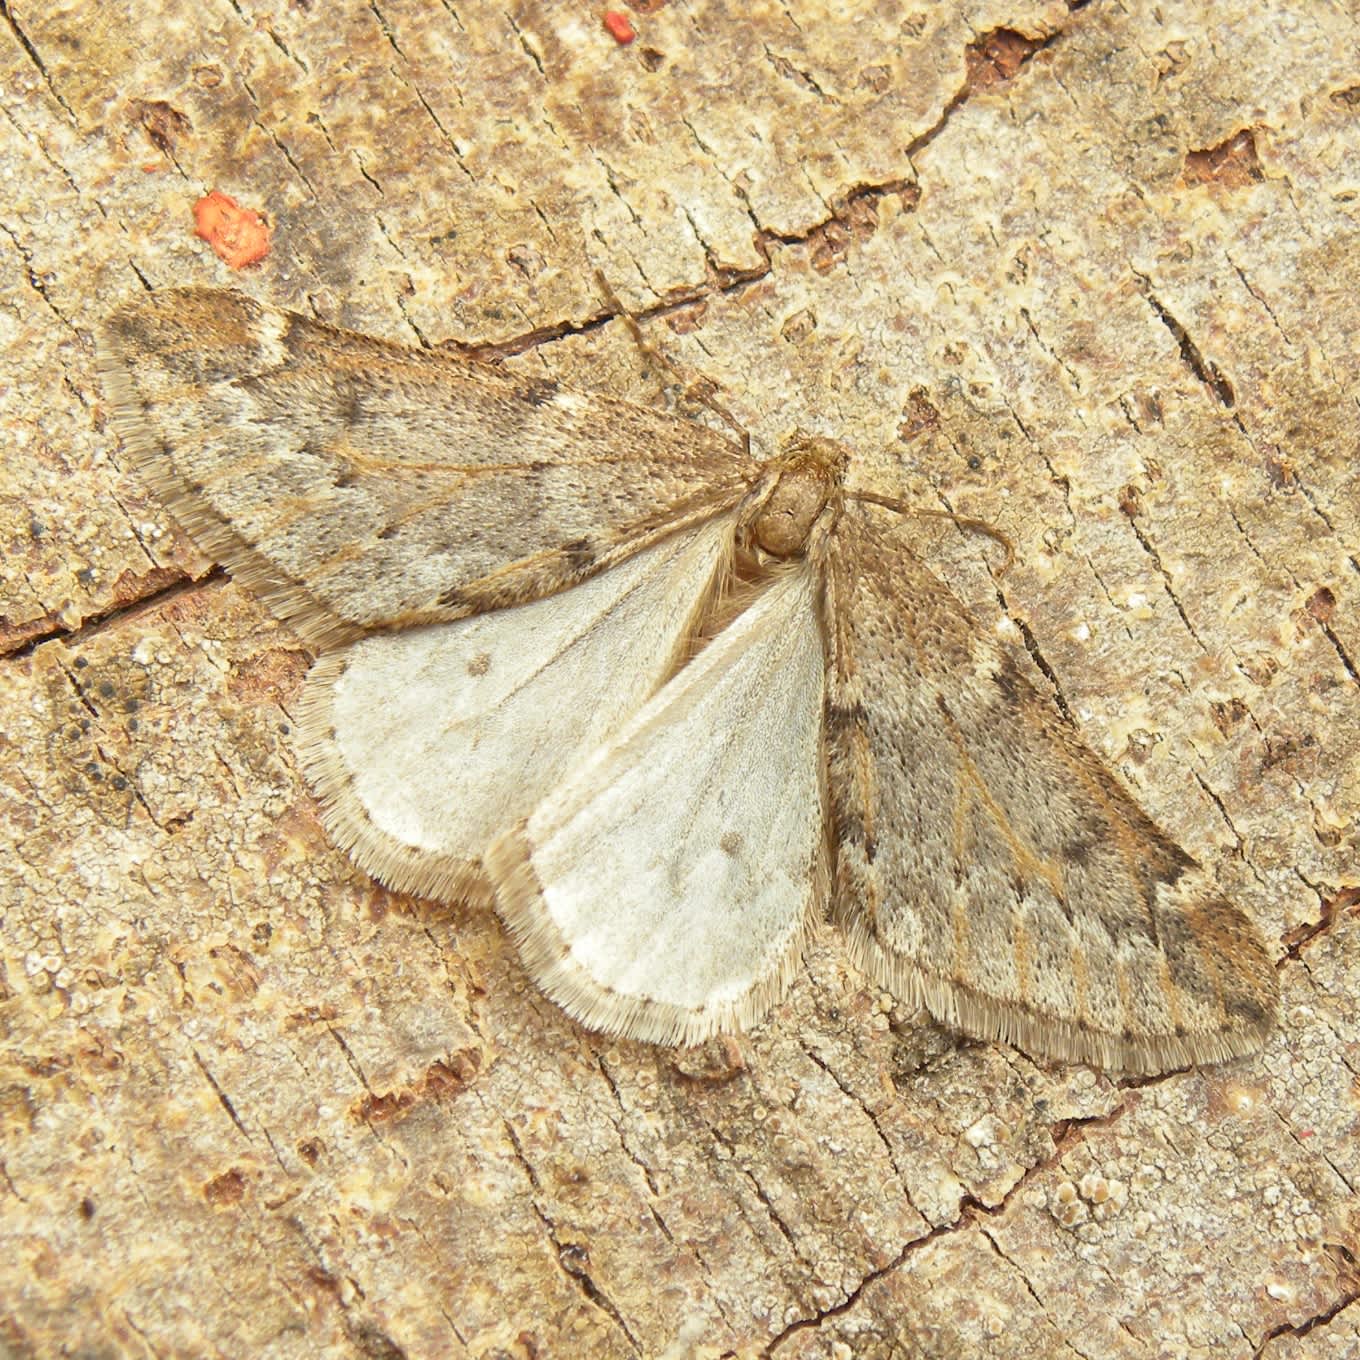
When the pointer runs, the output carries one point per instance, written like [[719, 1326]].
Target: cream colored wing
[[356, 484], [423, 745], [989, 866], [665, 890]]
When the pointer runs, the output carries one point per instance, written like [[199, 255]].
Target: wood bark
[[1088, 273]]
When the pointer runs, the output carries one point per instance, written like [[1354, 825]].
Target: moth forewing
[[357, 484], [989, 866], [664, 892], [424, 744]]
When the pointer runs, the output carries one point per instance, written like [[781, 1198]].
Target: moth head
[[807, 477]]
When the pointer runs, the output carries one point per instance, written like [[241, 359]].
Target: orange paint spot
[[620, 29], [237, 235]]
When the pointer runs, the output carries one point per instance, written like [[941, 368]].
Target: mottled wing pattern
[[988, 865], [355, 484]]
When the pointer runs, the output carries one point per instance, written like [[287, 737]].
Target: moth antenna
[[980, 526], [695, 388]]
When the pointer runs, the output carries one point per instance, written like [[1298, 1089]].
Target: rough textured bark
[[1088, 274]]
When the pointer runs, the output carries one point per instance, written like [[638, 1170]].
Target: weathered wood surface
[[1089, 274]]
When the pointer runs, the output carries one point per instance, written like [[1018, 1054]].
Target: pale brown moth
[[538, 686]]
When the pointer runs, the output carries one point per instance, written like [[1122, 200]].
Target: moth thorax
[[810, 476]]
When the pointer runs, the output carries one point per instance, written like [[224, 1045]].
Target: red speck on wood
[[619, 28], [237, 235]]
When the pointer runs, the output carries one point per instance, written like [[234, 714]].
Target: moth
[[667, 705]]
